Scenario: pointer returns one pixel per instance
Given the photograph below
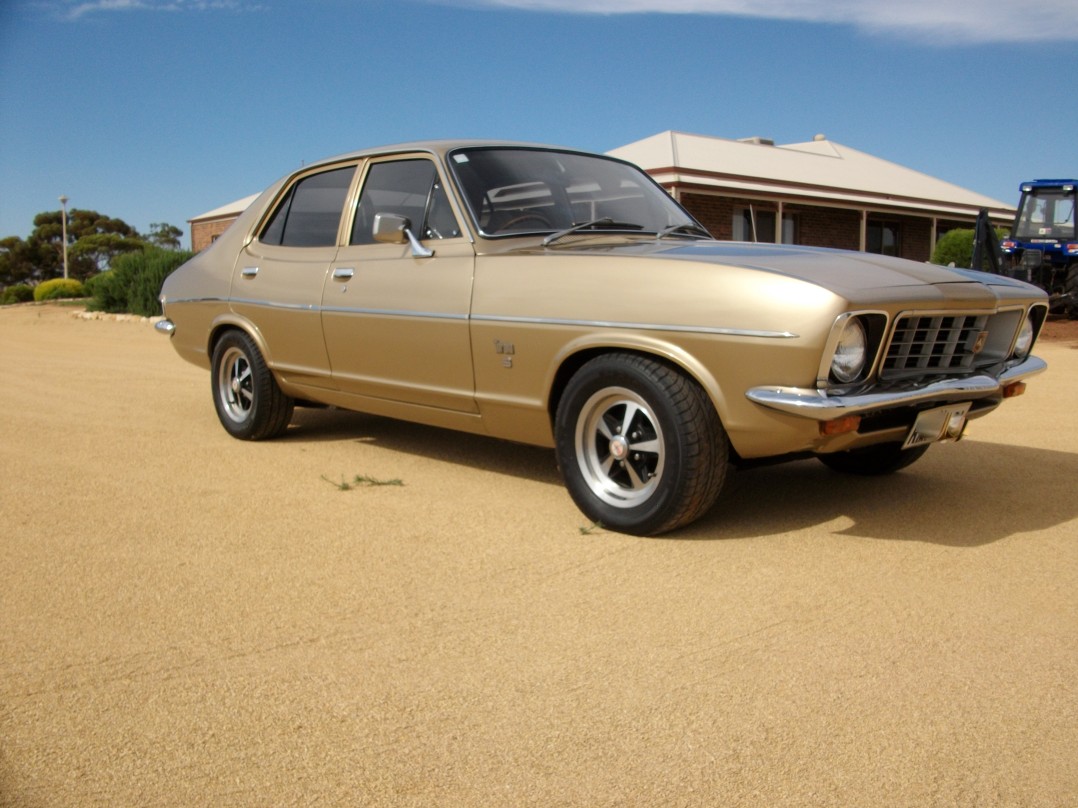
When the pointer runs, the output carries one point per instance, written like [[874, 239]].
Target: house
[[818, 193], [206, 227]]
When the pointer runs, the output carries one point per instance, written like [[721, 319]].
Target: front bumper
[[819, 406]]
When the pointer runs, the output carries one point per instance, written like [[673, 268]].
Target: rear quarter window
[[309, 214]]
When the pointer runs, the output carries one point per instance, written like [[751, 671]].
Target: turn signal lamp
[[1014, 389], [840, 426]]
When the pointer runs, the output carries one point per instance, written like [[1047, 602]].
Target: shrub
[[59, 288], [19, 293], [143, 293], [957, 246], [109, 295], [954, 246], [134, 281]]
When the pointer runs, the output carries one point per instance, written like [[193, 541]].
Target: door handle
[[343, 274], [249, 272]]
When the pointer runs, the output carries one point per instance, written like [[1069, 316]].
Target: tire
[[249, 403], [639, 444], [1070, 287], [873, 461]]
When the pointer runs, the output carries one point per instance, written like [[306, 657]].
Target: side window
[[310, 212], [409, 188]]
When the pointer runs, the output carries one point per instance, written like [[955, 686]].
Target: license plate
[[941, 423]]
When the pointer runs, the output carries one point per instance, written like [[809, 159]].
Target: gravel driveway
[[186, 619]]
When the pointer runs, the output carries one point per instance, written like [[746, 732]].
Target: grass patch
[[360, 481]]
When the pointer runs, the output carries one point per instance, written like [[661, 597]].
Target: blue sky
[[159, 110]]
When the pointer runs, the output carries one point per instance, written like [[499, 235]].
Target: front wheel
[[873, 461], [249, 403], [639, 444]]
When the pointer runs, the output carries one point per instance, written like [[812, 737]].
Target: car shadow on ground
[[444, 445], [961, 495]]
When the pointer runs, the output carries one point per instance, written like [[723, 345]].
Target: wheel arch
[[231, 322], [577, 354]]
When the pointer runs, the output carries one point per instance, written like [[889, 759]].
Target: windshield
[[516, 191], [1045, 213]]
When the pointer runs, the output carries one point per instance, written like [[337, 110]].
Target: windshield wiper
[[691, 230], [605, 222]]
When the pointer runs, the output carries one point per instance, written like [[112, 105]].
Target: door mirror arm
[[391, 228]]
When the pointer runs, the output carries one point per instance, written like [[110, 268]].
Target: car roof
[[437, 147]]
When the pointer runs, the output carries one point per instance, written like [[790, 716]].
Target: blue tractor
[[1043, 246]]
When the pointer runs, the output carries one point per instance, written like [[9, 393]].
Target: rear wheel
[[249, 403], [639, 444], [873, 461]]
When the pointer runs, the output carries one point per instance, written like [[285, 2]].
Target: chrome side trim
[[691, 329], [490, 318], [816, 404], [174, 301], [269, 305], [425, 315]]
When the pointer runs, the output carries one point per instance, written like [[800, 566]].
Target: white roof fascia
[[825, 198], [820, 168], [229, 211]]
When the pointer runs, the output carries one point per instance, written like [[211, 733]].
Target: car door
[[397, 324], [280, 275]]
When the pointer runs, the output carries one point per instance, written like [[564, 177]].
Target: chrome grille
[[933, 345]]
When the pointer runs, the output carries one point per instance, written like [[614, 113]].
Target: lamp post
[[63, 228]]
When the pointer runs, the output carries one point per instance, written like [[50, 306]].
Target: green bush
[[59, 288], [134, 281], [19, 293], [108, 294], [957, 246], [142, 295]]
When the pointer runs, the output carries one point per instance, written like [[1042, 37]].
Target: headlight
[[850, 353], [1024, 342]]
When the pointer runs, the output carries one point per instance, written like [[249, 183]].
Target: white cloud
[[938, 21], [76, 10]]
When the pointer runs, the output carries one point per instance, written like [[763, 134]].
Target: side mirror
[[392, 228]]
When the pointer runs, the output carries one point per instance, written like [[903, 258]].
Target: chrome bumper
[[165, 326], [818, 405]]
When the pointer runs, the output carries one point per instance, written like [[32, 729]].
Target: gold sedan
[[563, 299]]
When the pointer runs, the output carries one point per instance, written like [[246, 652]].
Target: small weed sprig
[[587, 530], [360, 480]]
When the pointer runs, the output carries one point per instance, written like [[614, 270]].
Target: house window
[[882, 237], [754, 224]]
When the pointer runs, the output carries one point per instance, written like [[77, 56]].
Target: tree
[[20, 261], [93, 241], [165, 235]]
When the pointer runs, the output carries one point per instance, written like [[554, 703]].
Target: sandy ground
[[186, 619]]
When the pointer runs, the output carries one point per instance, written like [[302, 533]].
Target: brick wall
[[827, 227], [204, 233], [716, 213], [818, 226]]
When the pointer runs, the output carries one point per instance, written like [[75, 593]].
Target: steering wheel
[[524, 217]]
